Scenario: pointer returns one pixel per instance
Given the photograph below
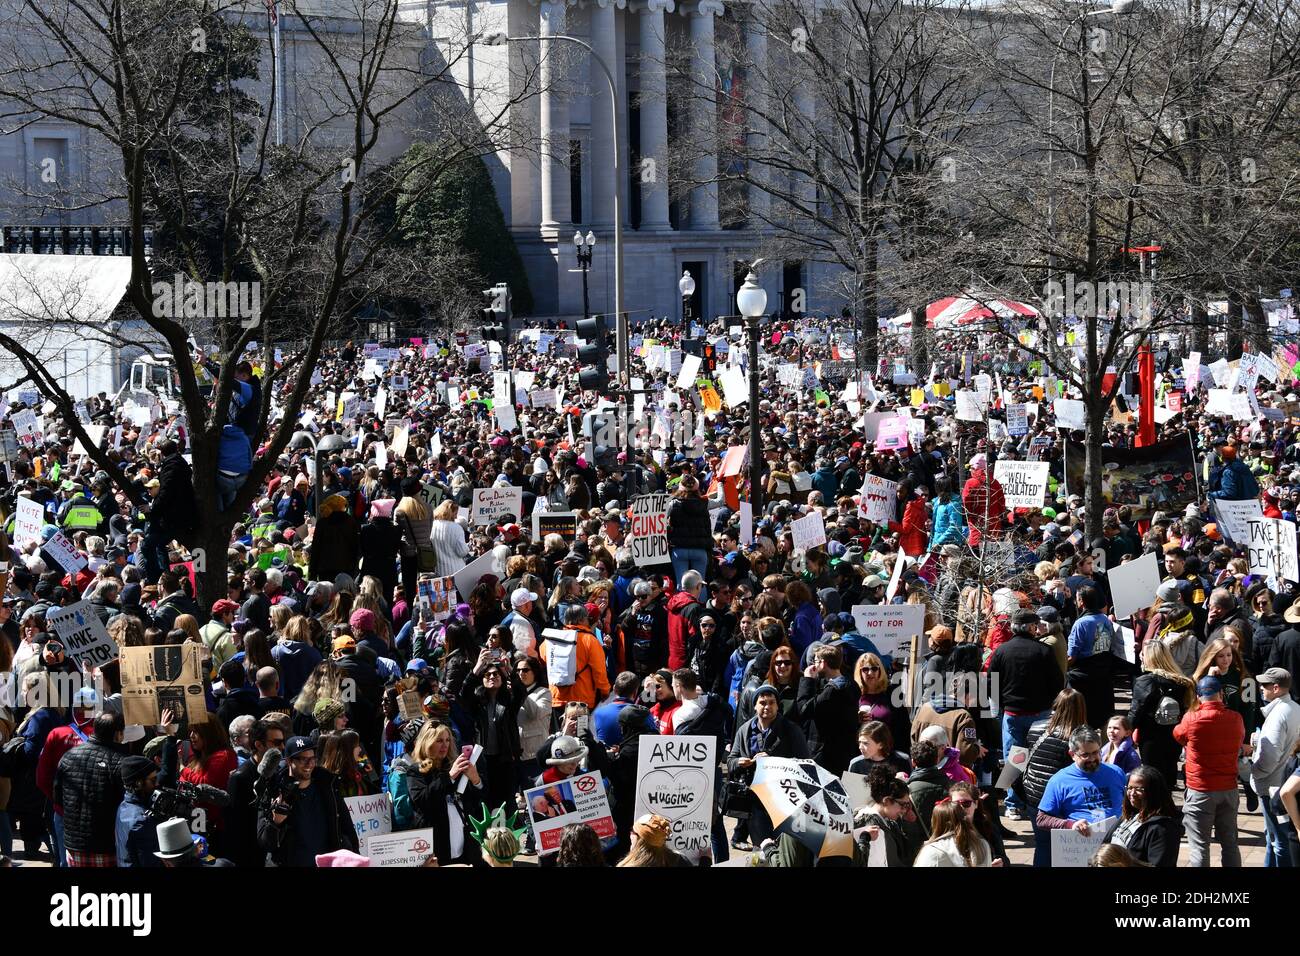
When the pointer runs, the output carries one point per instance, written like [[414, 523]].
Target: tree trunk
[[1234, 324], [1257, 325], [1092, 464], [866, 308], [1200, 328], [920, 345]]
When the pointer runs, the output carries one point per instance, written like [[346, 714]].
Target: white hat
[[521, 596], [174, 839], [566, 749]]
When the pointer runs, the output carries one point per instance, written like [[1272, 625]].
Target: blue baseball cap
[[418, 665], [1208, 686]]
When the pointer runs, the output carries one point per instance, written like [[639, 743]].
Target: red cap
[[222, 606]]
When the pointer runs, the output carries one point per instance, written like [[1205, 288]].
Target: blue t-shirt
[[604, 721], [1091, 634], [1073, 794]]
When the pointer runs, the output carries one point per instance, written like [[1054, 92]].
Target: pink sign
[[892, 434]]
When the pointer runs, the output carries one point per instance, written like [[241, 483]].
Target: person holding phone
[[491, 697]]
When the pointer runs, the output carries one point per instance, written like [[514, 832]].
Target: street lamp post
[[326, 446], [751, 302], [686, 286], [585, 249]]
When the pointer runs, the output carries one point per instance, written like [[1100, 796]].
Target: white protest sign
[[401, 438], [1017, 420], [1070, 413], [735, 389], [1128, 643], [972, 406], [65, 552], [29, 521], [1133, 585], [674, 778], [372, 816], [1233, 517], [490, 504], [83, 634], [746, 523], [648, 533], [889, 626], [1023, 482], [578, 799], [1072, 849], [1271, 548], [879, 499], [467, 578], [506, 419], [410, 848], [809, 531], [689, 372]]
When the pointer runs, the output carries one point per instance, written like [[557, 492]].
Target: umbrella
[[806, 801]]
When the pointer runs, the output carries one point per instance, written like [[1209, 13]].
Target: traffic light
[[496, 314], [593, 355]]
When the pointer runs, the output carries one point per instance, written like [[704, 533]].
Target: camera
[[179, 802]]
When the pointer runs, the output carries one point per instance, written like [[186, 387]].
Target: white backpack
[[561, 657]]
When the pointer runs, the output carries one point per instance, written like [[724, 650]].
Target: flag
[[270, 8]]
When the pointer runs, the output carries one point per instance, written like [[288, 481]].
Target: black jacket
[[380, 541], [280, 840], [784, 739], [1029, 677], [240, 818], [1156, 841], [365, 711], [1267, 629], [88, 785], [173, 606], [828, 713], [473, 698], [1286, 654], [429, 793], [1047, 759], [688, 523], [175, 506], [335, 547]]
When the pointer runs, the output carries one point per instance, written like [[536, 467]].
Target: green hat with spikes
[[502, 851]]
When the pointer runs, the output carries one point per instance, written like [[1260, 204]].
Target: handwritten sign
[[648, 537], [1023, 482], [1271, 548], [83, 634], [490, 505], [372, 816], [1072, 849], [675, 780], [879, 498], [28, 522], [65, 552], [809, 531], [889, 626]]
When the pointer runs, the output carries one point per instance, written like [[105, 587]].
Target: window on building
[[575, 179]]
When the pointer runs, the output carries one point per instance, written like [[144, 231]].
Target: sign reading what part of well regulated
[[675, 780]]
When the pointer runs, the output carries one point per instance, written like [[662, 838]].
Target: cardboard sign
[[809, 531], [491, 504], [648, 536], [410, 848], [578, 799], [164, 677], [674, 778], [28, 522], [1133, 585], [1233, 517], [1271, 548], [1024, 483], [1071, 849], [563, 523], [879, 499], [372, 816], [890, 627], [972, 406], [83, 634]]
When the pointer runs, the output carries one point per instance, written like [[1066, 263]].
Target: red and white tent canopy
[[959, 310]]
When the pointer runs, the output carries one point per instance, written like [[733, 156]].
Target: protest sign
[[1070, 413], [578, 799], [746, 523], [1159, 477], [467, 578], [1271, 548], [27, 426], [164, 677], [1072, 849], [1232, 517], [809, 531], [438, 595], [372, 816], [65, 552], [892, 434], [1017, 420], [1023, 482], [83, 634], [399, 383], [689, 372], [410, 848], [401, 438], [674, 778], [29, 521], [490, 505], [972, 406], [889, 626], [648, 535], [1133, 585], [879, 499], [563, 523]]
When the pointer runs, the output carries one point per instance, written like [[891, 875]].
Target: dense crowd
[[338, 665]]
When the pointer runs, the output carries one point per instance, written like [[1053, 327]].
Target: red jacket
[[912, 536], [1212, 735], [680, 630], [216, 774], [978, 500], [60, 741]]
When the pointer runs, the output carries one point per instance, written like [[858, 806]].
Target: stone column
[[756, 96], [704, 116], [557, 210], [653, 102], [604, 40]]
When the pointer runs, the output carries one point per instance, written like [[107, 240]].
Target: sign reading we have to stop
[[83, 634]]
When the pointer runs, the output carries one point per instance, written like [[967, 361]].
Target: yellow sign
[[711, 399], [942, 389], [918, 397]]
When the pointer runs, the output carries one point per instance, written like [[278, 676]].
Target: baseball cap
[[222, 606], [1208, 686], [521, 596], [344, 643], [297, 746]]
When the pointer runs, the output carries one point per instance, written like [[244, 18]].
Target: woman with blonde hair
[[875, 701], [414, 521], [954, 841], [448, 538], [650, 848], [281, 614], [190, 625], [433, 782], [126, 630], [1161, 695]]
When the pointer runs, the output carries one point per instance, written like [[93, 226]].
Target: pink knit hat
[[341, 858]]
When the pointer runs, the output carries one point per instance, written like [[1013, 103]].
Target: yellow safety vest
[[83, 517]]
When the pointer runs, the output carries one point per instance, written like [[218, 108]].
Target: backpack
[[13, 755], [561, 657], [1167, 712]]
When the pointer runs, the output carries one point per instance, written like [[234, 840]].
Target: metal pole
[[755, 440], [320, 483], [277, 78]]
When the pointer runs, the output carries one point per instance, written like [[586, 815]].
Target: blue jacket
[[828, 483], [1236, 483], [38, 728], [137, 833], [949, 524], [296, 661], [235, 455], [806, 627]]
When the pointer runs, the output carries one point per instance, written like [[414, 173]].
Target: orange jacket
[[591, 683]]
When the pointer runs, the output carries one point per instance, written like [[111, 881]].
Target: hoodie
[[296, 661], [830, 599], [682, 634], [736, 667]]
